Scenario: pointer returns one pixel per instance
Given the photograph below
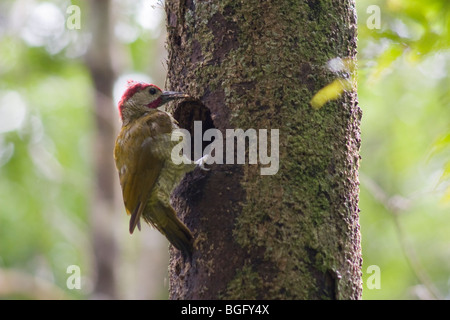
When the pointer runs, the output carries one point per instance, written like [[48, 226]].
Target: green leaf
[[330, 92], [440, 145]]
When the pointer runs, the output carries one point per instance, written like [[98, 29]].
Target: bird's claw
[[201, 162]]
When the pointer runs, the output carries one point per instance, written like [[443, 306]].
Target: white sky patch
[[137, 17], [435, 66], [122, 83], [13, 110], [45, 23], [150, 14], [126, 32]]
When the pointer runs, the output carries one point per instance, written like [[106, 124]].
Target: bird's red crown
[[132, 88]]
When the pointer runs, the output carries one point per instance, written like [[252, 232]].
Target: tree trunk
[[256, 64], [103, 203]]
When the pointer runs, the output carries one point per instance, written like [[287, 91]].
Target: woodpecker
[[142, 155]]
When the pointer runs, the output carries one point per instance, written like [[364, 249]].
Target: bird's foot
[[201, 162]]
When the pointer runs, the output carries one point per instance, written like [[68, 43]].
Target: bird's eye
[[152, 91]]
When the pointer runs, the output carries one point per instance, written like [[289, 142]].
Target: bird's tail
[[164, 218]]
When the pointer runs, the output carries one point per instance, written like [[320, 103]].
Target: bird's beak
[[171, 95]]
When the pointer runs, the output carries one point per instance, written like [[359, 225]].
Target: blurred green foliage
[[45, 158], [46, 138], [403, 87], [46, 133]]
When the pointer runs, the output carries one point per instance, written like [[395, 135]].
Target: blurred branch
[[18, 283], [100, 65], [395, 205]]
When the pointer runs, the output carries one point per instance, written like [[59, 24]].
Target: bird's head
[[140, 97]]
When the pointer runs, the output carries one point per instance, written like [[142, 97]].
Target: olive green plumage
[[143, 160]]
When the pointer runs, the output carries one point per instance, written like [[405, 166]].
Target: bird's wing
[[139, 160]]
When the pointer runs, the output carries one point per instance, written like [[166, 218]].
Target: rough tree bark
[[257, 64]]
